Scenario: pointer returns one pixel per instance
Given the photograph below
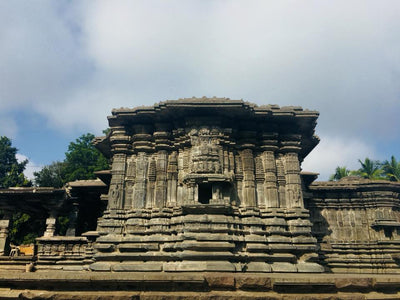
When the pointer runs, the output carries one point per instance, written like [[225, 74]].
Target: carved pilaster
[[150, 183], [120, 148], [130, 181], [281, 182], [290, 146], [260, 177], [139, 191], [270, 183], [172, 179], [161, 179], [249, 195]]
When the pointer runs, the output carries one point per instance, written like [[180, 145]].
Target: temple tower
[[207, 184]]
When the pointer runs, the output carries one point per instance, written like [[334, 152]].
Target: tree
[[52, 175], [11, 171], [340, 172], [81, 161], [370, 169], [392, 169]]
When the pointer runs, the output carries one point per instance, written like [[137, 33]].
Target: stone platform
[[90, 285]]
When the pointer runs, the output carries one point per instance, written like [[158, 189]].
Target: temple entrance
[[205, 193]]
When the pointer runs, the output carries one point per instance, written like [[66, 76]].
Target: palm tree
[[370, 169], [340, 172], [392, 169]]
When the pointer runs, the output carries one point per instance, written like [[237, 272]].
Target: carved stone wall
[[357, 224], [207, 185]]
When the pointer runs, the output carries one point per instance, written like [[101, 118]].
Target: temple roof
[[223, 112], [215, 106]]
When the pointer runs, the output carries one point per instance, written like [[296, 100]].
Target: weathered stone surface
[[220, 282], [191, 179], [253, 283]]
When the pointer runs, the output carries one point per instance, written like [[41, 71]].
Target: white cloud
[[31, 166], [337, 151], [73, 62]]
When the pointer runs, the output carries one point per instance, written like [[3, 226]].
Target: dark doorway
[[205, 193]]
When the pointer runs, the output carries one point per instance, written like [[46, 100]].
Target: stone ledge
[[332, 286]]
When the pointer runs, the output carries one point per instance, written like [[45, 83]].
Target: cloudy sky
[[65, 64]]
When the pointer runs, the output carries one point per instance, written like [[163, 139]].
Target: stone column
[[290, 148], [249, 193], [269, 146], [143, 146], [51, 224], [172, 179], [4, 244], [119, 147], [130, 181], [141, 178], [160, 197]]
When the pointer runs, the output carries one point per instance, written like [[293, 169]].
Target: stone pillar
[[51, 224], [269, 147], [172, 179], [130, 181], [139, 191], [119, 147], [249, 193], [4, 244], [290, 148], [161, 179]]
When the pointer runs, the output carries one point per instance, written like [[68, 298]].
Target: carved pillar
[[51, 224], [249, 195], [142, 145], [150, 184], [290, 148], [172, 179], [139, 190], [269, 146], [281, 181], [130, 181], [4, 245], [161, 179], [239, 180], [119, 147], [260, 178]]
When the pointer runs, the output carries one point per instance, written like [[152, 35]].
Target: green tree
[[52, 175], [82, 159], [11, 171], [25, 229], [340, 172], [391, 169], [370, 169]]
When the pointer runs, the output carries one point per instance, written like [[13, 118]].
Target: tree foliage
[[81, 161], [372, 169], [11, 171], [52, 175], [340, 172], [391, 169]]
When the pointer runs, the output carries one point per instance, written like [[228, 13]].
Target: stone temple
[[203, 186]]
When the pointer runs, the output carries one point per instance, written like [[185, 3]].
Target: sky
[[65, 64]]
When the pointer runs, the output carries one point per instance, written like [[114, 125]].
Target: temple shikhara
[[201, 186]]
